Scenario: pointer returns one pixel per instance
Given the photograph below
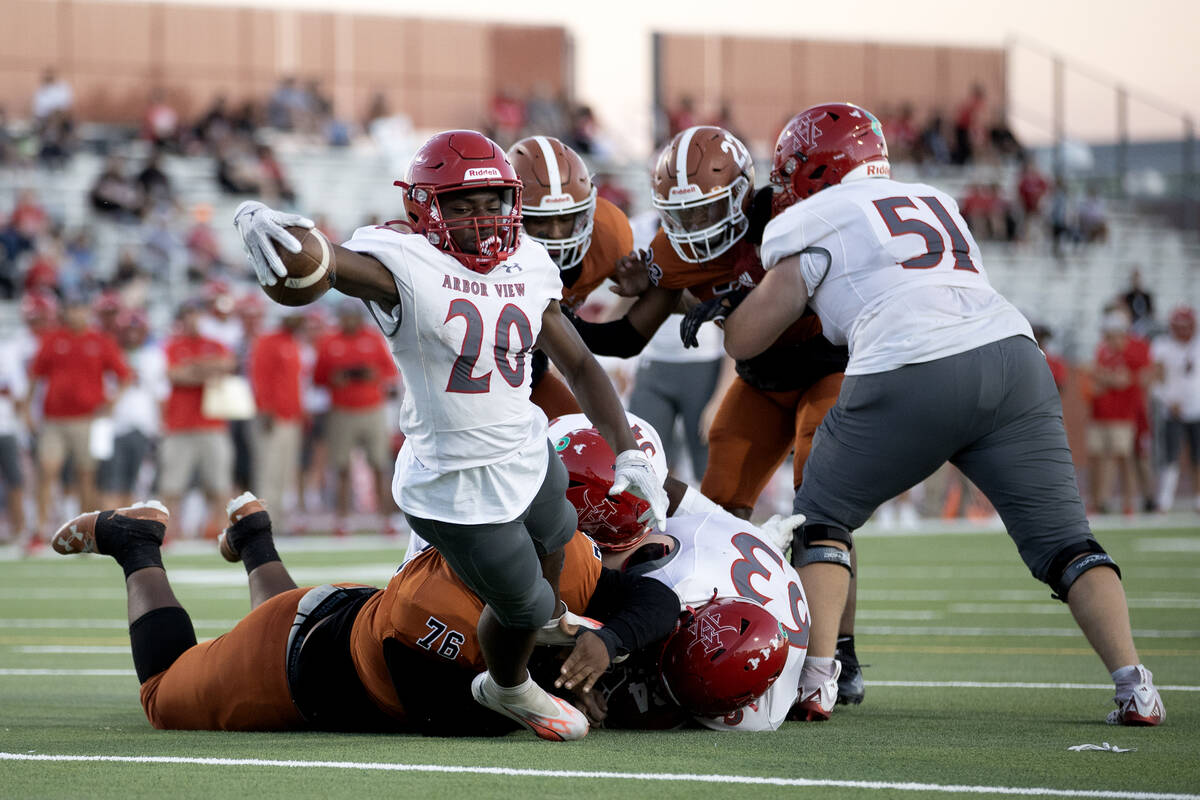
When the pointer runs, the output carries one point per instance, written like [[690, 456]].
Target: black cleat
[[851, 688]]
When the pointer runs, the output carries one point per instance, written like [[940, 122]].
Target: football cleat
[[549, 717], [1142, 707], [816, 699], [79, 534], [238, 509], [851, 688]]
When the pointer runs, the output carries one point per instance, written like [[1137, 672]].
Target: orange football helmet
[[702, 187], [556, 184]]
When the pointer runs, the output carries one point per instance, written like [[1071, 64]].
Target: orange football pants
[[236, 682], [753, 432], [552, 396]]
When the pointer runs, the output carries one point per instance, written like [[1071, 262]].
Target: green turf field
[[956, 611]]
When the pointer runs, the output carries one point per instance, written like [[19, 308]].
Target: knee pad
[[1063, 571], [803, 552]]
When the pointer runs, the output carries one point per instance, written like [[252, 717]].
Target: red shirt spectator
[[355, 364], [1125, 359], [184, 403], [1032, 187], [73, 362], [275, 374]]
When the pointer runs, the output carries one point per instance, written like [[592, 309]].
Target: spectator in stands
[[934, 145], [135, 415], [1093, 219], [506, 116], [968, 126], [29, 217], [355, 365], [287, 105], [1001, 140], [14, 424], [203, 247], [160, 123], [1032, 187], [682, 116], [154, 185], [114, 194], [985, 211], [237, 173], [901, 133], [1177, 377], [194, 443], [1140, 304], [583, 130], [274, 182], [1058, 364], [1120, 367], [77, 274], [1063, 230], [275, 374], [52, 97], [214, 125], [73, 362]]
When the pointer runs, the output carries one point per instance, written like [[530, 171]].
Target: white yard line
[[929, 630], [752, 780]]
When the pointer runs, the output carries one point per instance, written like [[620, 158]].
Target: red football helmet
[[727, 654], [612, 522], [825, 145], [452, 161], [1182, 323]]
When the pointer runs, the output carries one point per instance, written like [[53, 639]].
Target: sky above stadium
[[1149, 46]]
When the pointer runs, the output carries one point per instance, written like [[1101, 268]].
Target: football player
[[742, 676], [942, 368], [463, 299], [585, 236], [344, 656], [703, 189]]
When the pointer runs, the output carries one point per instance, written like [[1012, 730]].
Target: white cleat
[[1142, 707], [549, 717]]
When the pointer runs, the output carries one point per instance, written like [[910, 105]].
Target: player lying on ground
[[344, 656], [463, 300], [942, 368], [740, 674]]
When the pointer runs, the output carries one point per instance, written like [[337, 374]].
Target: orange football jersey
[[427, 608], [611, 238]]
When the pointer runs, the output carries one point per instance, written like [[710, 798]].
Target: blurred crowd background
[[137, 356]]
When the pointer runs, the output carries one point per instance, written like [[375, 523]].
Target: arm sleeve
[[437, 698], [635, 610], [617, 338]]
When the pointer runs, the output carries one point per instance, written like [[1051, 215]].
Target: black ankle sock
[[134, 543], [251, 538], [845, 645], [157, 638]]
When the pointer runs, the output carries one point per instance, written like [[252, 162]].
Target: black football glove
[[714, 310]]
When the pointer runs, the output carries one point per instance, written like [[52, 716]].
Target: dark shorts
[[10, 462], [500, 562], [119, 473], [993, 412]]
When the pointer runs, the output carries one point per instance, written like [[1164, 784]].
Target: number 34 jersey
[[475, 447], [723, 555], [893, 272]]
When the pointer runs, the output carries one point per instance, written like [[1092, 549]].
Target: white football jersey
[[721, 555], [893, 272], [475, 448]]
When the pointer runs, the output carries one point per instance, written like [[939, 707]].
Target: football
[[310, 272]]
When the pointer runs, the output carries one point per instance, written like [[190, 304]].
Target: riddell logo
[[478, 173], [878, 170], [557, 200], [684, 191]]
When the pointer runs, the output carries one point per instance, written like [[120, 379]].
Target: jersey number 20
[[462, 379], [935, 242]]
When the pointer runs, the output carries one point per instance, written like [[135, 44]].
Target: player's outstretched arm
[[627, 336], [767, 311], [262, 228]]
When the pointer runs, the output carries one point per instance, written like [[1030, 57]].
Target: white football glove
[[634, 474], [779, 529], [260, 226]]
